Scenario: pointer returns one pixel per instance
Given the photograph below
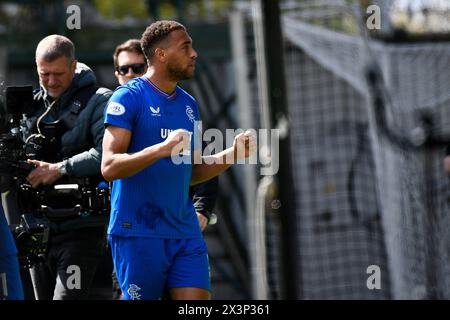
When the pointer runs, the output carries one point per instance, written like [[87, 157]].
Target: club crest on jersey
[[190, 113], [155, 111], [115, 109], [133, 292]]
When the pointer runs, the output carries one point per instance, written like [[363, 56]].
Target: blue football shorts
[[146, 266], [10, 282]]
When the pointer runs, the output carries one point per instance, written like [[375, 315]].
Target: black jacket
[[80, 147]]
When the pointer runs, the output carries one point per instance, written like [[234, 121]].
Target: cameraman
[[70, 101]]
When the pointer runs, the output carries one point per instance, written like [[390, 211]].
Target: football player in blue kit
[[10, 282], [155, 238]]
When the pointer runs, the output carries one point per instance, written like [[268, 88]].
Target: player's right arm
[[123, 108], [118, 164]]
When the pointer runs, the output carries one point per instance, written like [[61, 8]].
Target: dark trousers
[[69, 267]]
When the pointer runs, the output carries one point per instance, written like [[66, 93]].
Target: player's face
[[181, 56], [134, 64], [56, 76]]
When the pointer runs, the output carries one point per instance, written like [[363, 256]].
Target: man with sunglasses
[[129, 63]]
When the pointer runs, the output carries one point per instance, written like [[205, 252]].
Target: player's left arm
[[208, 167]]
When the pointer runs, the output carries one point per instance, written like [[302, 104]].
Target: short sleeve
[[122, 109]]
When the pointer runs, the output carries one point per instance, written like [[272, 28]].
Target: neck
[[160, 80]]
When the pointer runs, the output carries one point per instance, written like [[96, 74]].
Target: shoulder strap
[[78, 102]]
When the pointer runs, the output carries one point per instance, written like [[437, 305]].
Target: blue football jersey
[[154, 202]]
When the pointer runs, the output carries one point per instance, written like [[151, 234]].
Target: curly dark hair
[[156, 33]]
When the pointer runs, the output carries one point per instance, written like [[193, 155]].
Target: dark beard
[[178, 74]]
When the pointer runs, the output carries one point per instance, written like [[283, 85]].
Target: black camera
[[38, 208], [65, 201], [31, 233], [31, 236], [14, 150]]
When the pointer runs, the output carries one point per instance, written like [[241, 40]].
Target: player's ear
[[160, 54]]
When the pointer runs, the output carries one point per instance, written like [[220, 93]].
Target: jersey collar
[[165, 95]]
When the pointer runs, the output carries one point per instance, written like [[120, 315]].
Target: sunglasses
[[136, 67]]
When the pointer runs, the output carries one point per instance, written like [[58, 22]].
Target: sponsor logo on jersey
[[165, 133], [115, 108]]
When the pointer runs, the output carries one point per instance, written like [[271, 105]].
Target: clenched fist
[[178, 141], [244, 145]]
